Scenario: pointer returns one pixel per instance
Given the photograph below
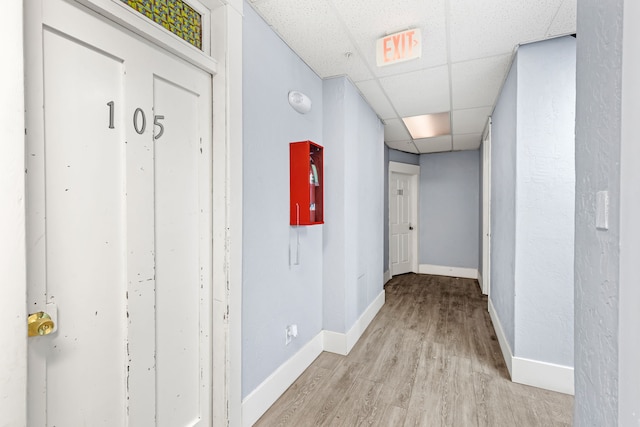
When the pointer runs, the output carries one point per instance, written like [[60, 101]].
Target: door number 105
[[139, 121]]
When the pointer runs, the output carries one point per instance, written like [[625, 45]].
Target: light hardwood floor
[[429, 358]]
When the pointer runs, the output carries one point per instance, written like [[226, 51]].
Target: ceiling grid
[[467, 47]]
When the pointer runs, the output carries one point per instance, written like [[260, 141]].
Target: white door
[[401, 223], [486, 211], [119, 232]]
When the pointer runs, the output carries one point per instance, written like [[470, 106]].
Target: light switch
[[602, 210]]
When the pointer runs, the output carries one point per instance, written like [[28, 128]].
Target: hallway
[[429, 358]]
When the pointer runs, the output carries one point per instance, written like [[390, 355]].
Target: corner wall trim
[[339, 343], [536, 373], [386, 277], [260, 399], [440, 270]]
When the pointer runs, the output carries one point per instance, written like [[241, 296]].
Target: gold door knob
[[39, 323]]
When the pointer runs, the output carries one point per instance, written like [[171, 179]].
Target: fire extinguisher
[[313, 183]]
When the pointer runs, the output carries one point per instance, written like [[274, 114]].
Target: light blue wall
[[354, 203], [597, 253], [503, 205], [533, 181], [275, 293], [392, 155], [448, 210], [545, 199], [403, 157]]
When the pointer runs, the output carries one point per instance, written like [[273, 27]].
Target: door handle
[[39, 323]]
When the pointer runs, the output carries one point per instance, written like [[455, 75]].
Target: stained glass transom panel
[[174, 15]]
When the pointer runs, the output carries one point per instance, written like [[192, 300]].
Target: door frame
[[225, 29], [414, 172], [485, 277]]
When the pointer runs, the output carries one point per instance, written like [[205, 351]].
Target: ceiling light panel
[[505, 24], [477, 83], [419, 92], [434, 145], [428, 125]]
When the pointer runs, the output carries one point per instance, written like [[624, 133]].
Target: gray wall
[[391, 155], [597, 256], [354, 204], [275, 293], [503, 206], [545, 200], [448, 209]]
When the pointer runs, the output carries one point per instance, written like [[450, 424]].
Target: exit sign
[[399, 47]]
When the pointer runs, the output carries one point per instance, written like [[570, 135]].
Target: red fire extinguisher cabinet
[[306, 176]]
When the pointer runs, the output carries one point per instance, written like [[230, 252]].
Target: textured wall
[[503, 206], [448, 209], [545, 200], [629, 391], [598, 112], [354, 197], [274, 292]]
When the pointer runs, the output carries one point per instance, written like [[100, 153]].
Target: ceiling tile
[[394, 130], [434, 145], [403, 146], [419, 92], [486, 28], [374, 95], [471, 120], [299, 23], [477, 83], [467, 142], [565, 20], [368, 21]]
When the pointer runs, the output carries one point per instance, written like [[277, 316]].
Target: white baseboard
[[339, 343], [480, 281], [386, 276], [535, 373], [543, 375], [260, 399], [502, 338], [440, 270]]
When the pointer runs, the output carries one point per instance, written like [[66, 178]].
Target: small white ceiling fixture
[[428, 125]]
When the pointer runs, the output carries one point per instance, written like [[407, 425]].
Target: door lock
[[39, 323]]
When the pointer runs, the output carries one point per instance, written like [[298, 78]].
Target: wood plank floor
[[429, 358]]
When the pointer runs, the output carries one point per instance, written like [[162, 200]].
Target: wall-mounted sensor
[[299, 102]]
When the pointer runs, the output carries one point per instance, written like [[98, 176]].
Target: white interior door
[[486, 211], [119, 232], [401, 223]]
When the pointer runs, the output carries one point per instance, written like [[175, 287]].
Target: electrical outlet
[[291, 332]]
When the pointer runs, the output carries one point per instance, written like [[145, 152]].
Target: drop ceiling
[[467, 46]]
